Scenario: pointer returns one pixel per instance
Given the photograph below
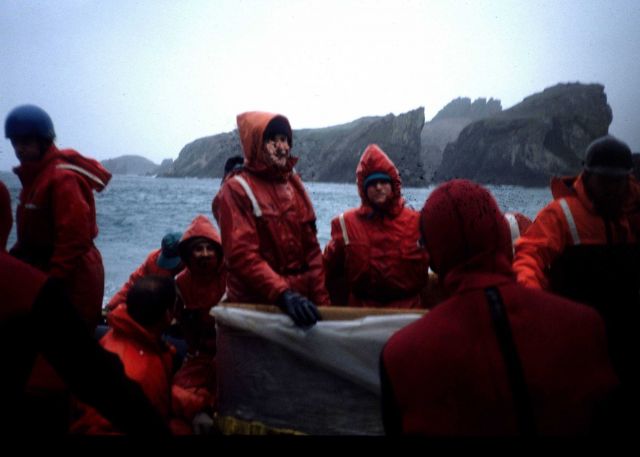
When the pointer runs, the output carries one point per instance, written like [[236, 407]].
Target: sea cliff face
[[445, 127], [542, 136]]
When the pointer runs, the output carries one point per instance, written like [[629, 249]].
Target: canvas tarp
[[323, 380]]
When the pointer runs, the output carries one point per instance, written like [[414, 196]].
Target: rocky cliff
[[445, 127], [544, 135], [326, 154], [332, 154], [204, 157]]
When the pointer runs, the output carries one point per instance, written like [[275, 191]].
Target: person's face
[[608, 193], [379, 193], [276, 151], [203, 255], [27, 149]]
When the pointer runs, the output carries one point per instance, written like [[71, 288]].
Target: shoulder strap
[[343, 226], [570, 221], [247, 188], [519, 390], [82, 171]]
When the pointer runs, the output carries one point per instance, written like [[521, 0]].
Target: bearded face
[[276, 151], [204, 255]]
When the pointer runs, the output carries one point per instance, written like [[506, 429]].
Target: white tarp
[[321, 381], [348, 348]]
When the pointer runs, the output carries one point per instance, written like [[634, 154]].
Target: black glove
[[299, 308]]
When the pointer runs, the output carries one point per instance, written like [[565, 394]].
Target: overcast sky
[[147, 77]]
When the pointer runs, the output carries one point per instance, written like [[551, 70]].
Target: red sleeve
[[74, 214], [543, 241]]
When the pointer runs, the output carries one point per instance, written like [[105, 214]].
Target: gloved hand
[[299, 308]]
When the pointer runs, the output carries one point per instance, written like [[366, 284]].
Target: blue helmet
[[29, 120]]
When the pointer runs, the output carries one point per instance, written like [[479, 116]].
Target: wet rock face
[[544, 135], [204, 157], [445, 127], [332, 154]]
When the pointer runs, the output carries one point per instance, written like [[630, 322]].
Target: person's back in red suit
[[452, 374], [136, 337]]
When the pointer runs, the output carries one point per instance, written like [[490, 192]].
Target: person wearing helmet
[[56, 216], [584, 245], [56, 226]]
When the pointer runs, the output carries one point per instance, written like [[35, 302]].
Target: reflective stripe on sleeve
[[570, 221], [254, 202], [343, 226], [82, 171]]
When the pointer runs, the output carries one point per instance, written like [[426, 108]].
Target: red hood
[[251, 127], [90, 169], [122, 323], [465, 231], [375, 160], [6, 217], [202, 227]]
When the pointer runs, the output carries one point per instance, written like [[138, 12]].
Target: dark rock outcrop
[[130, 165], [544, 135], [205, 157], [445, 127], [326, 154], [165, 165], [331, 154]]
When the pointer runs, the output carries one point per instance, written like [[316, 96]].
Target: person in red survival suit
[[37, 316], [202, 283], [201, 286], [496, 358], [267, 223], [56, 214], [584, 246], [376, 246], [164, 261], [56, 226], [135, 336]]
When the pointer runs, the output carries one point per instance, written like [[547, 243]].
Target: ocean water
[[134, 212]]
